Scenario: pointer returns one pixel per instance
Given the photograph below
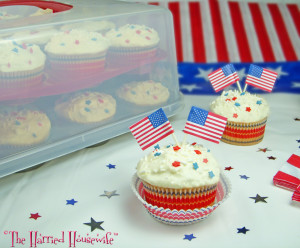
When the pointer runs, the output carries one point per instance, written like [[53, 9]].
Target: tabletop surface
[[82, 193]]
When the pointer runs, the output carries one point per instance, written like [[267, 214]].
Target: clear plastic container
[[76, 74]]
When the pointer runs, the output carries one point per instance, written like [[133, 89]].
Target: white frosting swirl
[[195, 169], [240, 107]]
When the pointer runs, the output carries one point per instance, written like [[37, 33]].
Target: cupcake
[[132, 43], [7, 16], [21, 64], [246, 117], [87, 107], [179, 177], [76, 52], [23, 127], [90, 26], [144, 93]]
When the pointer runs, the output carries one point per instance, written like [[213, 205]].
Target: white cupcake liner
[[181, 217]]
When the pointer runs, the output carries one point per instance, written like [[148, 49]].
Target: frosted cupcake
[[87, 107], [179, 177], [144, 93], [132, 43], [77, 52], [246, 117], [24, 127], [21, 64]]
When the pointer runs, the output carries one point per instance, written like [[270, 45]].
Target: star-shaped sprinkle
[[228, 100], [259, 102], [34, 216], [235, 115], [248, 109], [242, 230], [195, 165], [237, 104], [157, 146], [205, 160], [176, 148], [259, 198], [234, 98], [111, 166], [244, 177], [189, 237], [243, 93], [228, 168], [71, 202], [95, 225], [263, 150], [157, 154], [88, 102], [211, 174], [109, 194], [197, 152], [271, 158], [176, 164]]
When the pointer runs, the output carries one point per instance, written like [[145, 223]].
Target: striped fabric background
[[212, 31]]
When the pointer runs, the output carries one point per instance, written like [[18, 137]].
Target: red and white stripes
[[221, 31]]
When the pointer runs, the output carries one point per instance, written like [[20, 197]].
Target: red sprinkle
[[76, 42], [127, 41], [197, 152], [235, 115], [234, 98], [205, 160], [228, 99], [248, 109], [176, 163], [194, 143], [176, 148], [148, 38], [138, 31]]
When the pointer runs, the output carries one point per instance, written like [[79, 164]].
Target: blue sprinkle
[[17, 123], [211, 174], [195, 166], [148, 92], [243, 93], [87, 109], [168, 146], [133, 92], [132, 26], [157, 154], [208, 150], [94, 39], [106, 111], [119, 35], [259, 102], [15, 50], [156, 146], [226, 94], [88, 102], [62, 44], [34, 135], [237, 104]]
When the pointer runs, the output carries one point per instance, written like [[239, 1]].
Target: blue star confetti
[[189, 237], [244, 177], [195, 166], [71, 202], [259, 198], [111, 166], [243, 230], [95, 225], [211, 174]]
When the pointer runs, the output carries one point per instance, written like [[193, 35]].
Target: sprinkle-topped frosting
[[240, 107], [71, 42], [38, 37], [7, 16], [87, 107], [132, 35], [91, 26], [24, 127], [179, 168], [144, 93], [15, 56]]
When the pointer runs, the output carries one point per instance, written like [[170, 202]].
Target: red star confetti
[[176, 148], [263, 149], [228, 168], [271, 158], [248, 109], [34, 216], [176, 164], [197, 152]]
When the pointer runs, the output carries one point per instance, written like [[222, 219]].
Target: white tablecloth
[[39, 202]]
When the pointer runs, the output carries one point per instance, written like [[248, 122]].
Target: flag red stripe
[[282, 178], [295, 14], [138, 123], [198, 129], [153, 3], [240, 32], [156, 131], [141, 131], [197, 32], [261, 31], [222, 52], [200, 136], [158, 139], [294, 160], [284, 39], [174, 8]]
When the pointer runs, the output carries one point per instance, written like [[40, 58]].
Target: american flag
[[151, 129], [214, 31], [261, 78], [205, 125], [223, 77]]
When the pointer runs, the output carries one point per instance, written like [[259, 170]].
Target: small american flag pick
[[205, 125], [261, 78], [223, 77], [151, 129]]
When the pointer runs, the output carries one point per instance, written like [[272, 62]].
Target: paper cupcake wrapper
[[20, 79], [243, 133], [181, 217], [180, 198]]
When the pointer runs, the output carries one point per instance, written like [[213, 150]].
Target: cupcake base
[[243, 133]]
